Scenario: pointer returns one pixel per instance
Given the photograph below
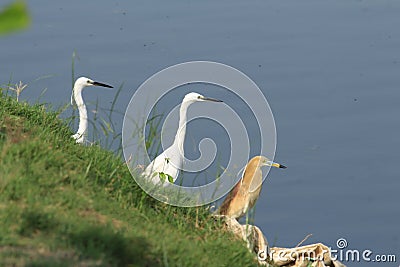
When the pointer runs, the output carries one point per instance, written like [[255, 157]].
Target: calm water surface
[[329, 69]]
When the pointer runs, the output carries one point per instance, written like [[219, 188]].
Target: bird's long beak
[[276, 165], [102, 84], [211, 99]]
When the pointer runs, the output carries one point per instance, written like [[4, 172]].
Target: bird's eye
[[198, 97], [88, 81]]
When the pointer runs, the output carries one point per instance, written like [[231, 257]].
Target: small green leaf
[[162, 176], [310, 263], [170, 178], [14, 17]]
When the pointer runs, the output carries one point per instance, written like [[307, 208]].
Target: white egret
[[81, 83], [165, 167]]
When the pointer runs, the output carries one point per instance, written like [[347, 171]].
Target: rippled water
[[329, 69]]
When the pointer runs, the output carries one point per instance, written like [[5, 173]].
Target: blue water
[[329, 69]]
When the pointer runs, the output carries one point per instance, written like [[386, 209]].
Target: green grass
[[63, 204]]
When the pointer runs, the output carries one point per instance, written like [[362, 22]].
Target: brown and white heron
[[244, 195]]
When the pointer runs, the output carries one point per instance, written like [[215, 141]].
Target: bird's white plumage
[[171, 160], [81, 83]]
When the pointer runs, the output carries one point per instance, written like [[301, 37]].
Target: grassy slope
[[62, 204]]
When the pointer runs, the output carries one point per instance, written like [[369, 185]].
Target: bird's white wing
[[155, 166], [163, 163]]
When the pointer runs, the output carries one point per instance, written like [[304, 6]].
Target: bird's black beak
[[277, 165], [212, 99], [102, 84]]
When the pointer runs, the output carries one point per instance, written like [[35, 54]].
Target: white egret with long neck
[[81, 83], [166, 166]]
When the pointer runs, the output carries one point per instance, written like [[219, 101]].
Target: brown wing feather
[[241, 190], [224, 208], [249, 173]]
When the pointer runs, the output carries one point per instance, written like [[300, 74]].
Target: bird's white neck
[[83, 118], [180, 134]]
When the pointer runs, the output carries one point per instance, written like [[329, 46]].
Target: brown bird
[[244, 195]]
